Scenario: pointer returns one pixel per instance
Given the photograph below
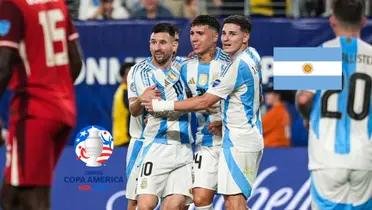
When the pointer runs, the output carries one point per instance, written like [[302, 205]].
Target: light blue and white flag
[[304, 68]]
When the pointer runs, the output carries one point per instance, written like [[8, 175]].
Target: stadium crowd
[[123, 9]]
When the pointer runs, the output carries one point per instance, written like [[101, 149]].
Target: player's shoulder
[[365, 46], [144, 65], [249, 56], [180, 59], [188, 60], [332, 43], [222, 56], [252, 53], [14, 6]]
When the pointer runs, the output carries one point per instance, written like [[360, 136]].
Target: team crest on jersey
[[4, 27], [93, 145], [203, 79], [172, 76]]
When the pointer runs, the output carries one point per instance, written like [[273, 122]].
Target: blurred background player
[[39, 59], [198, 74], [240, 88], [340, 146], [120, 112], [167, 156], [276, 121]]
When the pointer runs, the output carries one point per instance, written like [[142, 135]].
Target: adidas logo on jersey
[[191, 81]]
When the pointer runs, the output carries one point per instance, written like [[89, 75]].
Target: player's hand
[[215, 127], [148, 106], [149, 94]]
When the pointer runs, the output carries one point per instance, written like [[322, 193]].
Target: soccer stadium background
[[283, 180]]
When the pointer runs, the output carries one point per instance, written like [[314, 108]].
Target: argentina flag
[[304, 68]]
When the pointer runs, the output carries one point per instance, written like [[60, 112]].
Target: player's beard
[[162, 58]]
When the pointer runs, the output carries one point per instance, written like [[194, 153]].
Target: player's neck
[[151, 14], [208, 56], [351, 34], [164, 66], [242, 48]]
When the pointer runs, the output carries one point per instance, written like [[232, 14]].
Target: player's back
[[198, 77], [245, 129], [41, 78], [341, 121]]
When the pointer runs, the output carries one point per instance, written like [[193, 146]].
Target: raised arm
[[304, 103]]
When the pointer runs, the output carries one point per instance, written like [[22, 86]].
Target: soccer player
[[340, 146], [198, 73], [39, 60], [167, 154], [137, 120], [240, 88], [136, 128]]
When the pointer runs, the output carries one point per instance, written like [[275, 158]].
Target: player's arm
[[221, 88], [74, 51], [135, 103], [304, 103], [196, 103], [75, 57], [12, 33], [7, 56]]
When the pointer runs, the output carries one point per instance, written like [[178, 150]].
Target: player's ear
[[246, 37], [332, 21], [363, 22], [215, 36]]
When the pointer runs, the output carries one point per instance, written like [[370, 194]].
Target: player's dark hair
[[165, 28], [243, 22], [207, 20], [125, 68], [348, 11]]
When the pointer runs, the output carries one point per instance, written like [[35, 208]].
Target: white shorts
[[132, 167], [341, 189], [205, 167], [237, 171], [166, 169]]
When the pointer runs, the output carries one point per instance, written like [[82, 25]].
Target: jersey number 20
[[351, 99]]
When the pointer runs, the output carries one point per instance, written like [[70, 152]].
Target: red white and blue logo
[[93, 145]]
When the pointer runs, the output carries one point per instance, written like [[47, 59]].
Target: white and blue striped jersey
[[178, 61], [240, 87], [341, 121], [198, 77], [160, 129], [136, 124]]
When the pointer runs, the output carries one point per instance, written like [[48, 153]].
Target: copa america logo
[[93, 145]]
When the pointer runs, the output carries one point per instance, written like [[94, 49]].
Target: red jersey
[[40, 31]]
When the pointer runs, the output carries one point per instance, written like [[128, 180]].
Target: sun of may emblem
[[307, 68]]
